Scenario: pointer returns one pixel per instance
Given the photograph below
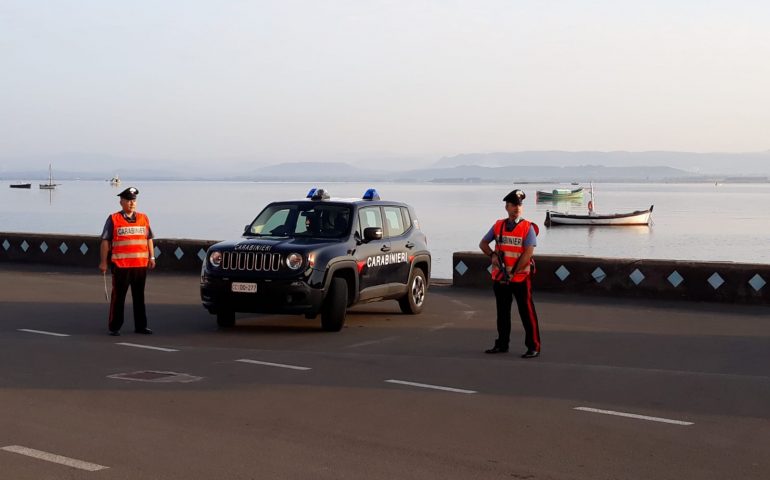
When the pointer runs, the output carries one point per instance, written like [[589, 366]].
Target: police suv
[[319, 255]]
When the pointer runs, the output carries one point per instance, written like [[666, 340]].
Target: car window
[[407, 218], [303, 220], [370, 217], [272, 222], [395, 221]]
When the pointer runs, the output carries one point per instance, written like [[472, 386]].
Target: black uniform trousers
[[504, 295], [122, 278]]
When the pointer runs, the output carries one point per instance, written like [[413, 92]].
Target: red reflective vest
[[129, 241], [511, 246]]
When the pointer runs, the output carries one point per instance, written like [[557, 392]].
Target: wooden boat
[[20, 185], [639, 217], [50, 185], [560, 194]]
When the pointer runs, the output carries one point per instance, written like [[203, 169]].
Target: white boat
[[638, 217], [115, 180], [50, 185]]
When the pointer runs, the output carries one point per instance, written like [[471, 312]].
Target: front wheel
[[225, 319], [335, 306], [414, 299]]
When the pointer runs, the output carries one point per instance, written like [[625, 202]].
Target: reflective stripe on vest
[[511, 245], [129, 241]]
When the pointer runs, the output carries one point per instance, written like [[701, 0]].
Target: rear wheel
[[414, 299], [335, 306], [225, 319]]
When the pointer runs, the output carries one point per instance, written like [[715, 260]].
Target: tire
[[225, 319], [414, 300], [335, 306]]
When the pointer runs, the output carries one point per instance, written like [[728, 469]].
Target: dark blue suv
[[319, 255]]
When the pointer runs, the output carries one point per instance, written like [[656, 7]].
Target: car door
[[398, 258], [369, 255]]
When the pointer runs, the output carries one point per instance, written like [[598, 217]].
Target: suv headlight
[[294, 261], [215, 258]]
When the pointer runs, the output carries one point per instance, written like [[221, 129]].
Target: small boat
[[115, 181], [20, 185], [638, 217], [560, 194], [50, 185]]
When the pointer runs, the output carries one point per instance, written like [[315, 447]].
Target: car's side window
[[370, 217], [395, 221], [407, 218]]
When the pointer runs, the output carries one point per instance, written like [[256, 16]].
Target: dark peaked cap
[[129, 194], [515, 197]]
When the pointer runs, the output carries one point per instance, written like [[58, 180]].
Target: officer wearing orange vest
[[128, 236], [515, 241]]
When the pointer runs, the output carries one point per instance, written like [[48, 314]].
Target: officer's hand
[[103, 267], [151, 264], [495, 261]]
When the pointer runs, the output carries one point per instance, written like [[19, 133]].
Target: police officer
[[515, 240], [128, 236]]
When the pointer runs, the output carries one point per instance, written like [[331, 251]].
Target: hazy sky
[[312, 80]]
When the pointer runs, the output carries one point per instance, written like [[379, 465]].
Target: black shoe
[[114, 333], [143, 331], [531, 354], [497, 349]]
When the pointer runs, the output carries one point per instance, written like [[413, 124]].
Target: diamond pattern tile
[[201, 254], [24, 245], [178, 253], [63, 248], [157, 252], [83, 248], [636, 276], [757, 282], [675, 279], [562, 273], [461, 268], [716, 281], [6, 245], [44, 247], [599, 275]]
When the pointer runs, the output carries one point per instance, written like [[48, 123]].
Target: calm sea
[[729, 222]]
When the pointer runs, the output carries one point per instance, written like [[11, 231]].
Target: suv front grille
[[251, 261]]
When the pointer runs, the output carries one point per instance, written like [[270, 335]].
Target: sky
[[292, 80]]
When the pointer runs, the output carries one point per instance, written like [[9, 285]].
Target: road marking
[[441, 327], [136, 345], [462, 304], [270, 364], [50, 457], [42, 332], [633, 415], [434, 387], [371, 342]]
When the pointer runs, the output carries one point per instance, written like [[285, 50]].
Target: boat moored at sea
[[20, 185], [560, 194], [637, 217]]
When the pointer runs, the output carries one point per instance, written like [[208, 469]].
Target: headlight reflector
[[215, 258], [294, 261]]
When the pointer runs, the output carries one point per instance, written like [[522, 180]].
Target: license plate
[[241, 287]]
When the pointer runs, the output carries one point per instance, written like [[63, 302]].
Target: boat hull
[[21, 185], [639, 217]]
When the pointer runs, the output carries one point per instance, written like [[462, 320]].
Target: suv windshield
[[305, 219]]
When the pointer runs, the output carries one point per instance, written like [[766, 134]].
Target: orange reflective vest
[[510, 245], [129, 241]]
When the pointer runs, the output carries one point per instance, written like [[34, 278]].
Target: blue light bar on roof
[[371, 194], [311, 192]]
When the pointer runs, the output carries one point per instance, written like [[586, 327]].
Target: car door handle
[[385, 248], [409, 245]]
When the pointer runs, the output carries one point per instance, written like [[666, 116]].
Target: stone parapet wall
[[655, 279], [83, 251]]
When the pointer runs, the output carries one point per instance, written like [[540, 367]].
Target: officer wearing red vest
[[127, 235], [515, 241]]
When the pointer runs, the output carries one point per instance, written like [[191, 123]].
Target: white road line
[[441, 327], [462, 304], [270, 364], [633, 415], [136, 345], [371, 342], [50, 457], [43, 332], [434, 387]]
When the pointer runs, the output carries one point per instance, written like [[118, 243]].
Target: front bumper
[[272, 296]]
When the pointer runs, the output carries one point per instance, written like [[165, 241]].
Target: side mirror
[[372, 233]]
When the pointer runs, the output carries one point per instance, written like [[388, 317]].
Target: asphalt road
[[276, 398]]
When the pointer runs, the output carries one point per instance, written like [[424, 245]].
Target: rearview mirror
[[372, 233]]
